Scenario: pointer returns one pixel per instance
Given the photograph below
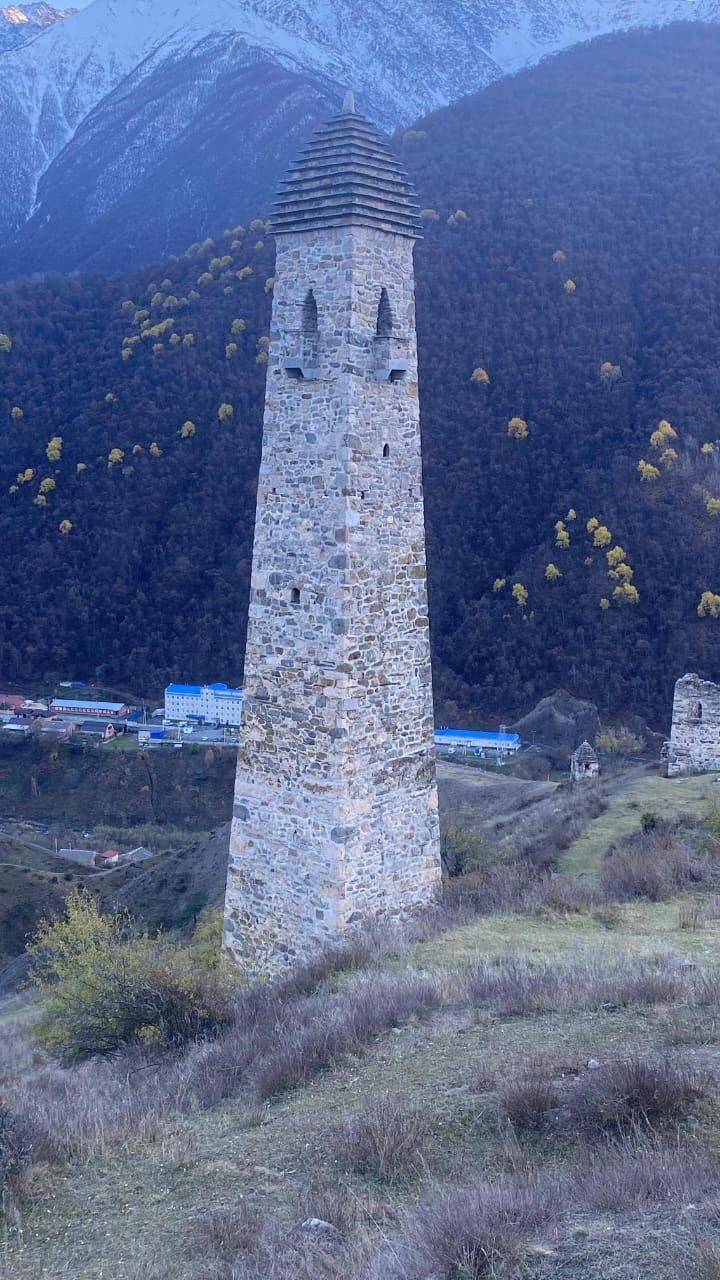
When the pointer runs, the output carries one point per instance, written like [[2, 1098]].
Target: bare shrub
[[373, 1004], [14, 1154], [239, 1244], [707, 1260], [385, 1142], [656, 864], [512, 987], [527, 1100], [478, 1233], [691, 916], [630, 1094], [565, 896], [618, 1178]]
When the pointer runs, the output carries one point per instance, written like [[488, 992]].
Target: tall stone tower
[[335, 818]]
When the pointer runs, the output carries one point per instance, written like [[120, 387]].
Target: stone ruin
[[694, 745], [585, 764]]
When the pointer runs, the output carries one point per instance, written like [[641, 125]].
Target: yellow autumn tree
[[668, 457], [65, 527], [647, 470], [47, 485], [520, 595], [709, 606], [16, 413], [81, 466], [562, 537], [187, 430], [238, 326], [713, 507], [602, 536], [231, 350], [24, 477], [40, 500], [559, 255], [663, 432], [707, 448], [115, 456], [498, 584], [604, 603], [627, 594], [552, 573], [623, 573], [572, 514], [592, 524], [480, 376], [610, 372], [570, 286], [616, 556], [5, 343], [155, 451], [225, 412], [53, 449], [517, 429]]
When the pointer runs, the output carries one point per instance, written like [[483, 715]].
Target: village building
[[207, 703], [694, 745], [585, 764], [335, 820], [85, 708], [478, 742]]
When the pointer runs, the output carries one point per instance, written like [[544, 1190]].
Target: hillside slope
[[572, 253], [199, 102]]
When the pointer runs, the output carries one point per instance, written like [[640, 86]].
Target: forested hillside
[[568, 304]]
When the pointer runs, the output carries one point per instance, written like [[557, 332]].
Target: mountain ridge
[[568, 302], [107, 67]]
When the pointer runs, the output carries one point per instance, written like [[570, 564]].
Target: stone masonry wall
[[335, 816], [695, 739]]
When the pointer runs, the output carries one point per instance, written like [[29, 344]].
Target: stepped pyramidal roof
[[347, 176]]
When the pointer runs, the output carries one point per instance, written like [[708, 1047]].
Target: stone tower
[[335, 819], [695, 742]]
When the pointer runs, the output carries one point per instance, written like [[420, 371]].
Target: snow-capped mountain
[[135, 124], [21, 22]]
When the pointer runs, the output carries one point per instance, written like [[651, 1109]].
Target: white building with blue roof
[[481, 742], [203, 704]]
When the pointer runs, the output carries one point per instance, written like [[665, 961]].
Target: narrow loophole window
[[699, 711], [295, 595], [386, 451], [310, 315], [385, 316]]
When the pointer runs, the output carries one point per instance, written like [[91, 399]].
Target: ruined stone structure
[[584, 764], [695, 740], [335, 814]]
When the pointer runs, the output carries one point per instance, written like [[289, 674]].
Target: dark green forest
[[568, 304]]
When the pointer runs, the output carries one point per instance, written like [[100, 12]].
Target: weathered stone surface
[[695, 739], [336, 816]]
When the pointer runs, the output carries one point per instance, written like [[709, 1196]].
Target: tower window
[[295, 595], [310, 316], [386, 451], [385, 322], [699, 711]]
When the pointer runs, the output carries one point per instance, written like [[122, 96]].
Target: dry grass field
[[523, 1086]]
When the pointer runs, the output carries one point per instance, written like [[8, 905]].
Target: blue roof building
[[482, 742]]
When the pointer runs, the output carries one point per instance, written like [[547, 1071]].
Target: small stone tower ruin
[[695, 740], [585, 764], [335, 819]]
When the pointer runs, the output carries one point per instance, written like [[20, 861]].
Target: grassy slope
[[129, 1213], [633, 796]]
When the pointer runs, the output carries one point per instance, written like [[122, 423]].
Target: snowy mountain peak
[[122, 60]]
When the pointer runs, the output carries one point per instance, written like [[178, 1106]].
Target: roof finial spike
[[349, 103]]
